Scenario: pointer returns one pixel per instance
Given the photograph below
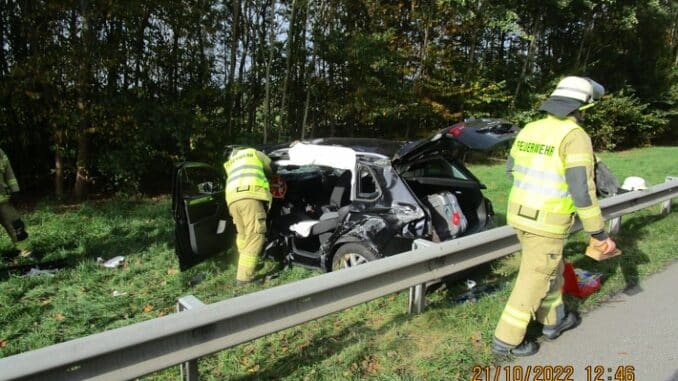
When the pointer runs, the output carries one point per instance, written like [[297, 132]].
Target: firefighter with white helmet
[[552, 166]]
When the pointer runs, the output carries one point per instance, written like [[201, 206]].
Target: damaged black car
[[341, 202]]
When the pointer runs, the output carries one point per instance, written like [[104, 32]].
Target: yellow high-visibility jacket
[[246, 171], [541, 199]]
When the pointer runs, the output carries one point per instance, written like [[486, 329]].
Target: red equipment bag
[[580, 283]]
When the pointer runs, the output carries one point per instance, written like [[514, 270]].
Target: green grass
[[376, 340]]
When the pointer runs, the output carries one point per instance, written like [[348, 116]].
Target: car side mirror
[[483, 186]]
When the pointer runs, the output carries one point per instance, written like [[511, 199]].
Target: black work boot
[[526, 348], [551, 332]]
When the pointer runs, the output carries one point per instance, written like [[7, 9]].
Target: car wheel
[[351, 255]]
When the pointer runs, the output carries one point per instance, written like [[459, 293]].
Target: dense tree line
[[109, 93]]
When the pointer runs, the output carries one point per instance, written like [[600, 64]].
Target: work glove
[[602, 249]]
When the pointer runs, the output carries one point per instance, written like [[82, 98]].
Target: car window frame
[[379, 192]]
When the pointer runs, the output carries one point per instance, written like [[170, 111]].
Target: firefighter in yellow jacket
[[248, 198], [9, 217], [552, 165]]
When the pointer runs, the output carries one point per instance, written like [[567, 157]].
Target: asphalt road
[[637, 328]]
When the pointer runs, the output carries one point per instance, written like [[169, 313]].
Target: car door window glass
[[198, 181]]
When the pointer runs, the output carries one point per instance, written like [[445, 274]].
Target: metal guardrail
[[145, 347]]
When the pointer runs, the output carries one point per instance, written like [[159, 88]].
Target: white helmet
[[571, 94], [582, 89], [634, 183]]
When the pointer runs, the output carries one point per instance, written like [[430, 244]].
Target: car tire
[[353, 254]]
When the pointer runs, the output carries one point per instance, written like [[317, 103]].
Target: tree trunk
[[82, 174], [58, 168], [258, 37], [531, 49], [311, 67], [230, 86], [85, 79], [239, 107], [139, 48], [269, 63], [582, 60], [3, 59], [288, 72]]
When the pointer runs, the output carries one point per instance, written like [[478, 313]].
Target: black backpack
[[606, 183]]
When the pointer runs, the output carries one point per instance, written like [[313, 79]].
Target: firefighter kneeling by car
[[248, 198], [552, 166]]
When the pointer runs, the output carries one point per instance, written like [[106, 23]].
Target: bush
[[124, 170], [621, 121]]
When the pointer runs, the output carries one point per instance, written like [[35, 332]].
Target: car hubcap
[[351, 259]]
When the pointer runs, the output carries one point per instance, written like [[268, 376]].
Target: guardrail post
[[189, 369], [417, 301], [614, 225], [666, 205]]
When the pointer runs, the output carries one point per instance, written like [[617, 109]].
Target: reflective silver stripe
[[536, 188], [539, 174], [243, 167], [233, 178]]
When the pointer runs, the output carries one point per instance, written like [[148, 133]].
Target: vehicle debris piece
[[111, 263], [474, 291], [196, 279], [36, 271]]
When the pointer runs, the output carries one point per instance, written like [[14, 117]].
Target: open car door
[[202, 225]]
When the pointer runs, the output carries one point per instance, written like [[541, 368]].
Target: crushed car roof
[[313, 154], [384, 147]]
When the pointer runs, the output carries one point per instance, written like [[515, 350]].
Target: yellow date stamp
[[551, 373], [523, 373]]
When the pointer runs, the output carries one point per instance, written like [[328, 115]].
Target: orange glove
[[604, 249]]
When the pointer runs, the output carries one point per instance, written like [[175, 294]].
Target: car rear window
[[438, 167]]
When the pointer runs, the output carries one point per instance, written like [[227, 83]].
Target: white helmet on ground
[[634, 183]]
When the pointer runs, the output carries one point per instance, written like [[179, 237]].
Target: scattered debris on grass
[[36, 271], [196, 279], [111, 263]]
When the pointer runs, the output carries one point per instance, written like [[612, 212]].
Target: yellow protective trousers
[[249, 217], [536, 294]]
